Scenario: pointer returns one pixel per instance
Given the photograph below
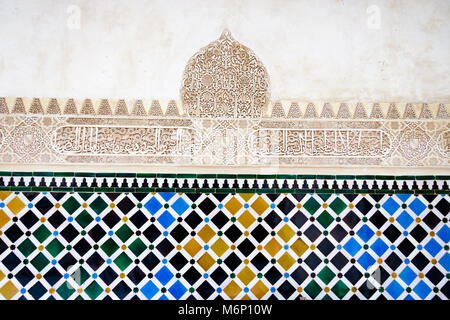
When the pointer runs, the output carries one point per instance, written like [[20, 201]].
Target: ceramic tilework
[[224, 245]]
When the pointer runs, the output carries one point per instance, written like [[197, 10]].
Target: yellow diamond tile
[[206, 261], [246, 297], [206, 233], [219, 247], [8, 290], [232, 289], [259, 205], [2, 275], [233, 205], [272, 247], [15, 205], [286, 233], [246, 219], [192, 247], [4, 194], [246, 275], [286, 261], [3, 218], [259, 289], [246, 196], [299, 247]]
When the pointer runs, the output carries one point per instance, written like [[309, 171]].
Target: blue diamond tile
[[407, 275], [352, 246], [394, 289], [180, 206], [365, 233], [166, 195], [379, 247], [149, 290], [403, 197], [177, 290], [366, 260], [405, 219], [433, 247], [422, 290], [409, 297], [444, 233], [163, 297], [164, 275], [417, 206], [445, 261], [390, 205], [166, 219], [153, 205]]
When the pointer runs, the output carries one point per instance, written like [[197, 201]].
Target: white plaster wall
[[313, 50]]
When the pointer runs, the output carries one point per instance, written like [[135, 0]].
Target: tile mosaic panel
[[223, 244]]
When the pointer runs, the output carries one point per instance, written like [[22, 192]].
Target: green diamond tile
[[41, 233], [80, 276], [71, 205], [84, 219], [109, 247], [338, 205], [54, 247], [124, 233], [26, 247], [137, 247], [65, 290], [324, 196], [93, 290], [98, 205], [39, 262], [123, 261], [313, 289], [326, 275], [340, 289], [85, 195], [311, 205], [325, 219]]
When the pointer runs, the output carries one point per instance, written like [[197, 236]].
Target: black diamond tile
[[179, 233], [11, 261], [351, 219], [446, 290], [178, 261], [273, 275], [150, 261], [67, 261], [353, 275], [443, 207], [13, 233], [95, 261], [273, 219], [58, 195], [232, 261], [378, 219], [339, 261], [299, 275], [313, 261], [96, 233], [338, 233], [126, 205], [246, 247], [325, 247], [434, 275], [219, 275], [285, 205], [136, 275], [406, 247], [37, 290], [3, 246], [393, 261], [420, 261], [259, 261], [192, 275], [220, 219], [364, 206], [121, 290], [165, 247], [418, 233], [286, 289], [25, 275], [69, 233], [233, 233], [52, 276], [193, 196], [431, 220], [259, 233], [44, 205], [82, 247], [56, 219], [205, 290], [392, 233], [30, 195], [312, 233], [367, 289], [193, 219], [219, 196], [207, 206], [152, 233], [138, 219], [111, 219], [29, 219]]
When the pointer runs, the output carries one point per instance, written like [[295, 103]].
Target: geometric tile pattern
[[167, 245]]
